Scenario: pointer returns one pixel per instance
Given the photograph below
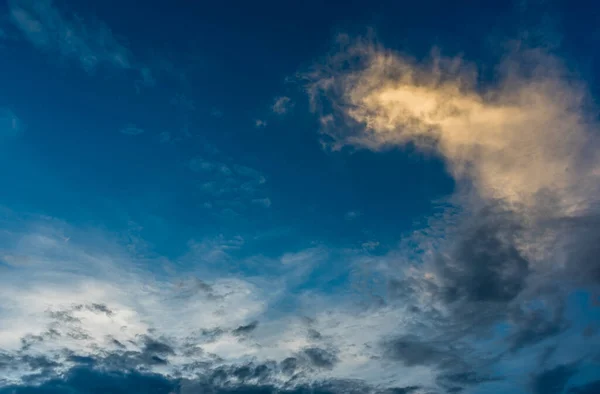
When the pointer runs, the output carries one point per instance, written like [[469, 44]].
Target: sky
[[317, 197]]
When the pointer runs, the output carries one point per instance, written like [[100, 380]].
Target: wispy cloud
[[352, 215], [282, 105], [217, 113], [519, 138], [229, 186], [131, 130], [260, 123], [10, 124], [263, 202], [165, 137], [90, 43]]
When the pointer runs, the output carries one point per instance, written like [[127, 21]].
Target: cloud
[[259, 123], [320, 358], [82, 379], [48, 29], [89, 43], [217, 113], [246, 329], [183, 103], [282, 105], [553, 381], [517, 236], [131, 130], [197, 320], [411, 352], [165, 137], [525, 135], [307, 256], [351, 215], [590, 388], [264, 202], [248, 379], [232, 187], [10, 124]]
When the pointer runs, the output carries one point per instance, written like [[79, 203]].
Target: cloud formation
[[510, 246], [282, 105], [134, 319], [526, 134], [91, 44]]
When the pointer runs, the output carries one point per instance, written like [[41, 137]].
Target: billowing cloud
[[520, 137], [518, 235]]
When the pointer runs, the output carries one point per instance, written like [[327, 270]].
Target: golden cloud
[[525, 134]]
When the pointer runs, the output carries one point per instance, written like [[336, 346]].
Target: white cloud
[[282, 105], [92, 297], [259, 123], [307, 256]]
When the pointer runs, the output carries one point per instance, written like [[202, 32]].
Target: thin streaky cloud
[[131, 130]]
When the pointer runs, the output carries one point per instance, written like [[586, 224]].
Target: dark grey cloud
[[553, 381], [401, 390], [535, 326], [84, 380], [314, 334], [246, 329], [289, 365], [100, 308], [485, 265], [63, 316], [411, 351], [320, 358], [589, 388], [243, 379], [157, 347], [579, 241], [460, 381]]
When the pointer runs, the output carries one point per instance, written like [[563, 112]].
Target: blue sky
[[339, 197]]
